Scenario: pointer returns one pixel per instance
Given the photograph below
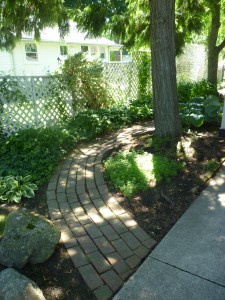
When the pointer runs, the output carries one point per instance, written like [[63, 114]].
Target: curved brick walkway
[[103, 241]]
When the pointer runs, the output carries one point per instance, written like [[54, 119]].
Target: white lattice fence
[[33, 102], [122, 80]]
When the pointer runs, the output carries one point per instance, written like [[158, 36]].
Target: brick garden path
[[103, 241]]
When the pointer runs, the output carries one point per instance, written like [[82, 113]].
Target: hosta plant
[[13, 188], [199, 110]]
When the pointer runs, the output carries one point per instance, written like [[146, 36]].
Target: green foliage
[[164, 168], [189, 90], [199, 110], [85, 81], [131, 172], [125, 174], [89, 123], [211, 165], [12, 189], [53, 98], [189, 21], [35, 151], [29, 16], [10, 91], [143, 64], [38, 151], [159, 145]]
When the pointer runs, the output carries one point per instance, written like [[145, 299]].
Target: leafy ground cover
[[156, 209], [132, 172], [37, 152]]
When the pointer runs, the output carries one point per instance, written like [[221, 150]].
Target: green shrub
[[12, 189], [85, 81], [189, 90], [131, 172]]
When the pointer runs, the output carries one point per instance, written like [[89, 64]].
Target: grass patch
[[132, 172]]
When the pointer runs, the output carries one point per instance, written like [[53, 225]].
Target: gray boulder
[[14, 286], [27, 238]]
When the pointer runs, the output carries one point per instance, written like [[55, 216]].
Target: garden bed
[[156, 210]]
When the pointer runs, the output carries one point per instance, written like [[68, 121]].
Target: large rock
[[14, 286], [27, 238]]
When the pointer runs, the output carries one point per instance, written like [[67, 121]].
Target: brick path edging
[[102, 240]]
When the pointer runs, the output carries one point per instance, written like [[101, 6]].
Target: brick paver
[[118, 226], [103, 241], [103, 293], [78, 257], [118, 263], [99, 262], [91, 277], [104, 245], [109, 232], [87, 244], [93, 230], [122, 248], [112, 280]]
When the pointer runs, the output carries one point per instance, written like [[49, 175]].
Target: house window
[[31, 52], [84, 49], [102, 53], [115, 56], [63, 50], [93, 50]]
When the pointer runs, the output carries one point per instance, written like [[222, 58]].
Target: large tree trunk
[[213, 50], [166, 112]]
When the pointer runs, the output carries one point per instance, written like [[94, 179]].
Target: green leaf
[[212, 110], [197, 100], [197, 120]]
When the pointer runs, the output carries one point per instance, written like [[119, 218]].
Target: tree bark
[[162, 28], [213, 50]]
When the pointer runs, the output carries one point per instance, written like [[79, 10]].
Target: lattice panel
[[122, 80], [33, 102], [39, 101]]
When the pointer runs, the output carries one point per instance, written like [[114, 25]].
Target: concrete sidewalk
[[189, 263]]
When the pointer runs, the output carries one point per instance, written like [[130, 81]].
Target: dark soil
[[156, 211]]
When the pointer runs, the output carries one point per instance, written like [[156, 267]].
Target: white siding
[[47, 62], [6, 63]]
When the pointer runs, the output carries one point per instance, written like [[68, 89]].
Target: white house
[[30, 57]]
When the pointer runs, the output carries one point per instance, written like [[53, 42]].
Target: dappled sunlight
[[55, 292], [184, 147], [221, 199], [220, 239]]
